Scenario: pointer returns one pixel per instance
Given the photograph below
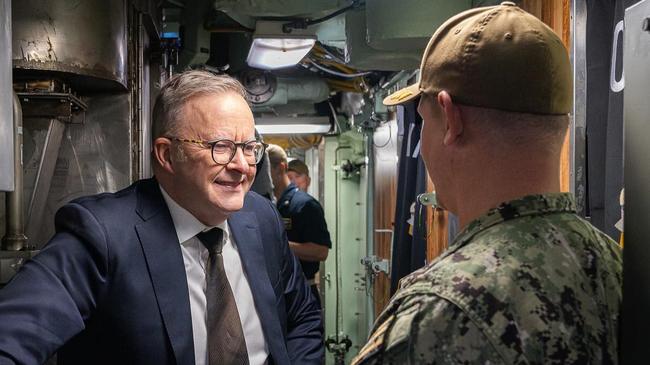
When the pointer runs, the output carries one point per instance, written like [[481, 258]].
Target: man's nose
[[239, 162]]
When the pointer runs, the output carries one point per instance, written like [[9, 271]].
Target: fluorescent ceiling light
[[298, 125], [274, 53], [273, 48], [293, 129]]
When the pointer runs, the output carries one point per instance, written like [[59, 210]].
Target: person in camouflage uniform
[[527, 281]]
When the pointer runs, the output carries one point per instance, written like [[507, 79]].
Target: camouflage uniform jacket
[[528, 283]]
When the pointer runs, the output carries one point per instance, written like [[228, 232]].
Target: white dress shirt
[[195, 257]]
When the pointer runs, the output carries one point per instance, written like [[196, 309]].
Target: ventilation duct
[[267, 90], [85, 44]]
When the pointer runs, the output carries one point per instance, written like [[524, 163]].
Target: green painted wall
[[343, 278]]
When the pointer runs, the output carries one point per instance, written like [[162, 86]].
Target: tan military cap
[[497, 57]]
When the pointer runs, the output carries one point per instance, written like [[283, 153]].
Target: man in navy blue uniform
[[303, 218], [186, 268]]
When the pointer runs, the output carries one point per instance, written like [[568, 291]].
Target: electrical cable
[[330, 16], [337, 126], [321, 48], [327, 62], [356, 85], [303, 23], [335, 73], [341, 67]]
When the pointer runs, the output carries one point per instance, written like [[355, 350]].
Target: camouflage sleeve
[[431, 330]]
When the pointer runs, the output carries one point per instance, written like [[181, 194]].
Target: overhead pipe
[[15, 239]]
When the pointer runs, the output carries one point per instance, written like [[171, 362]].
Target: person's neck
[[209, 220], [280, 186], [494, 183]]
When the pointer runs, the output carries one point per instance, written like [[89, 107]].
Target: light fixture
[[272, 48], [293, 125]]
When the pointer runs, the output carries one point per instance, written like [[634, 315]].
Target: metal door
[[636, 254]]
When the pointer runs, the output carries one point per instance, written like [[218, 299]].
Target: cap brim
[[403, 95]]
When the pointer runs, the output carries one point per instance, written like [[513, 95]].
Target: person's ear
[[452, 118], [162, 153]]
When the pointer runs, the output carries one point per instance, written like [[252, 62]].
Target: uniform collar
[[186, 225], [287, 194], [526, 206]]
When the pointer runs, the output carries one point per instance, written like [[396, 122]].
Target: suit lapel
[[166, 268], [245, 230]]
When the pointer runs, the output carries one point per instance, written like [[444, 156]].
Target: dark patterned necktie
[[226, 342]]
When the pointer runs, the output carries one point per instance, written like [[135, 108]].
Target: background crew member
[[303, 217], [527, 281], [299, 174]]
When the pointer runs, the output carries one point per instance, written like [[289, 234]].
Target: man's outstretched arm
[[53, 294]]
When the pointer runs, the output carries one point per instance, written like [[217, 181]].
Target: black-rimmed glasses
[[224, 150]]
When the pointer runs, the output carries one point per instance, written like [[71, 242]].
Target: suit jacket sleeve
[[50, 298], [304, 322]]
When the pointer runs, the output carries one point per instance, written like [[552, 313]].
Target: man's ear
[[162, 153], [452, 118]]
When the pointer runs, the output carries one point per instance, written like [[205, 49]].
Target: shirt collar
[[185, 224], [528, 205]]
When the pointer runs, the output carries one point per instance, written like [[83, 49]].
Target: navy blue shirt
[[304, 221]]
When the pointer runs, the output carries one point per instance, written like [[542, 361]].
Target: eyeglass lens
[[224, 151]]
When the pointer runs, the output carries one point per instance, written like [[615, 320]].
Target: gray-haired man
[[185, 268]]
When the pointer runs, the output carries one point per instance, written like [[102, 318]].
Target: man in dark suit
[[185, 268]]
